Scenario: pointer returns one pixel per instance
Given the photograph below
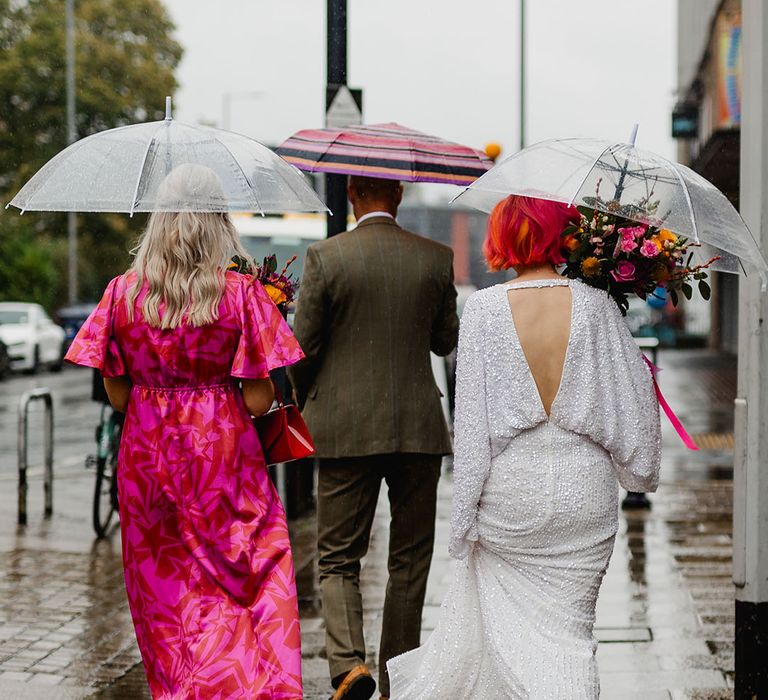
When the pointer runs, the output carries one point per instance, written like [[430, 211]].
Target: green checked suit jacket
[[373, 302]]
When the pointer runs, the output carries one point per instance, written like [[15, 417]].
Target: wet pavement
[[665, 614]]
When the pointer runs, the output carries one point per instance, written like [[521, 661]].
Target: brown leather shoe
[[358, 684]]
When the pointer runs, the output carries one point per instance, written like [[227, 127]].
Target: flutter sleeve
[[95, 345], [634, 432], [611, 397], [472, 448], [266, 341]]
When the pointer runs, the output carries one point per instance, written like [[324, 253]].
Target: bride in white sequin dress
[[554, 409]]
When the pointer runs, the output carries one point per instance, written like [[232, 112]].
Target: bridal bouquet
[[623, 257], [281, 286]]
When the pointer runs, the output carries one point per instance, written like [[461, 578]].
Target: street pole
[[336, 185], [522, 74], [69, 22], [750, 478]]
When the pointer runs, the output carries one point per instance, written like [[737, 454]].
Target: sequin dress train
[[535, 507]]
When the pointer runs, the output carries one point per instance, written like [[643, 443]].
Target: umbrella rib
[[240, 167], [589, 170], [641, 171], [143, 165], [685, 192], [689, 202], [328, 148]]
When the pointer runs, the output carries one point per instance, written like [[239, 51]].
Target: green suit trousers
[[348, 491]]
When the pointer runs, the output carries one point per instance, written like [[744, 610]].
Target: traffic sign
[[343, 106]]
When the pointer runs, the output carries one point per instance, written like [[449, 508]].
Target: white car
[[32, 338]]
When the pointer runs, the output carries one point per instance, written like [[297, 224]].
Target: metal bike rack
[[44, 395]]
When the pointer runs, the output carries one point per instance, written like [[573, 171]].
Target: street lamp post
[[336, 185], [69, 22]]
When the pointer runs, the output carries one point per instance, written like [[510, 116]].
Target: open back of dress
[[542, 318]]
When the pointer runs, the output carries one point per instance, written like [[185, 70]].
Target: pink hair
[[524, 231]]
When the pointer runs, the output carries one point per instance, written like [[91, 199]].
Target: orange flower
[[277, 295], [655, 240], [590, 267], [570, 242], [666, 235]]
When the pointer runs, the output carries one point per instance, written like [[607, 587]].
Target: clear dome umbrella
[[621, 179], [120, 170]]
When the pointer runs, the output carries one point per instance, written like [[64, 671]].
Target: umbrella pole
[[624, 168], [620, 186]]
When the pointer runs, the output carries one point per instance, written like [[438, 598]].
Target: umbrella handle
[[168, 108], [633, 135]]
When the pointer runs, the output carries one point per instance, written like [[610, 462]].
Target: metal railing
[[44, 395]]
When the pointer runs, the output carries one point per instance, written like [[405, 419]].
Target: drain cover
[[617, 635]]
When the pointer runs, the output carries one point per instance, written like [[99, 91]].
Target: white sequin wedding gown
[[535, 507]]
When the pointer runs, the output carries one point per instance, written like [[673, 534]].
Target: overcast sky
[[448, 67]]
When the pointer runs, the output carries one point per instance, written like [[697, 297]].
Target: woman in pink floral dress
[[208, 567]]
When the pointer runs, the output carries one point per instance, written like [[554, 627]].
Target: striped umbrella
[[387, 151]]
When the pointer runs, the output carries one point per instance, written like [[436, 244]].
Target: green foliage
[[125, 59], [29, 263]]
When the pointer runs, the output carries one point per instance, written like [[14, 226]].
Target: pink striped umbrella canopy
[[388, 151]]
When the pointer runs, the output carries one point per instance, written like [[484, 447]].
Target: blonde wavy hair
[[182, 255]]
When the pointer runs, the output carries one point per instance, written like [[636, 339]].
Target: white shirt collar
[[371, 214]]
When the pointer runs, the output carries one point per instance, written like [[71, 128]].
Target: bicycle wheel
[[103, 509], [105, 492]]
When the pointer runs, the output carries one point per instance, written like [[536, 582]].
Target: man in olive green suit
[[374, 301]]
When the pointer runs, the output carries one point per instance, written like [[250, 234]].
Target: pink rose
[[627, 242], [649, 249], [624, 272], [636, 231]]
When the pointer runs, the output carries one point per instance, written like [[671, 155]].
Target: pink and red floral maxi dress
[[208, 567]]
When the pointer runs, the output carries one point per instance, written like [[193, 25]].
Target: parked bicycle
[[108, 432]]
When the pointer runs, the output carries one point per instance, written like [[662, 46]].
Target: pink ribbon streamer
[[676, 424]]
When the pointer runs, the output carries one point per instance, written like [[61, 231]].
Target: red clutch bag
[[284, 435]]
